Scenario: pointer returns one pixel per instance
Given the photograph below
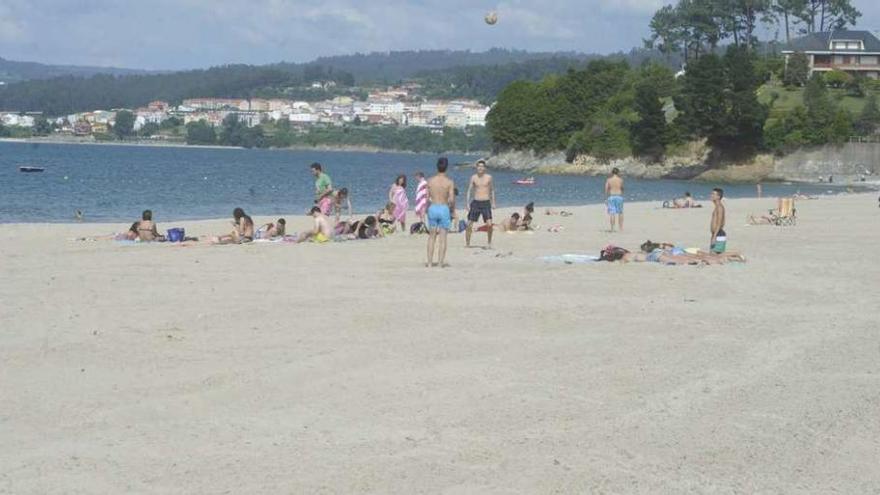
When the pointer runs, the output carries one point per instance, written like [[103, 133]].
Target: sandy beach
[[350, 368]]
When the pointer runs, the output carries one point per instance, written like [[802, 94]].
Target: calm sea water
[[114, 183]]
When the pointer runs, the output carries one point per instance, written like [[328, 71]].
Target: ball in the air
[[491, 18]]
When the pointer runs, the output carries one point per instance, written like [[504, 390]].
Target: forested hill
[[393, 66], [11, 71], [485, 82]]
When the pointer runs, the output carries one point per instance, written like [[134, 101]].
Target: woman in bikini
[[147, 229], [243, 229]]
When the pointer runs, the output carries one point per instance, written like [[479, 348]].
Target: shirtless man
[[718, 244], [322, 231], [484, 201], [441, 198], [614, 198]]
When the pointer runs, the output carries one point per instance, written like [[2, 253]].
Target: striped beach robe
[[422, 197]]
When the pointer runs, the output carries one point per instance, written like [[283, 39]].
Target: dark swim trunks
[[480, 209]]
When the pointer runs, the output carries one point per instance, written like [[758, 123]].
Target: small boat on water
[[30, 169], [528, 181]]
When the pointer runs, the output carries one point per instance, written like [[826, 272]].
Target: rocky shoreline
[[852, 162]]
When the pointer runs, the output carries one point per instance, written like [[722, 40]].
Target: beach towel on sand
[[570, 259]]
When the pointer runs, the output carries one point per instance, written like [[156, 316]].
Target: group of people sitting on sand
[[686, 201], [144, 230], [669, 254]]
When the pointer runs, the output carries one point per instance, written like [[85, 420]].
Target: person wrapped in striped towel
[[421, 197]]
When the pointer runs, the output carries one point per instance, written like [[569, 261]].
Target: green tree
[[745, 114], [701, 102], [822, 15], [787, 12], [528, 116], [171, 123], [821, 112], [124, 125], [605, 136], [200, 132], [869, 119], [649, 134], [837, 78], [149, 129], [797, 71], [232, 131], [42, 127], [841, 128]]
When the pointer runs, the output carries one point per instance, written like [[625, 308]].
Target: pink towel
[[401, 203]]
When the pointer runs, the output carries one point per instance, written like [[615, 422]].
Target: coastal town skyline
[[172, 35]]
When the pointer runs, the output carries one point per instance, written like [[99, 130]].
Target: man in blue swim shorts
[[441, 196], [439, 217], [614, 195]]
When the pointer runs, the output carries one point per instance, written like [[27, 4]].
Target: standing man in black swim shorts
[[483, 189]]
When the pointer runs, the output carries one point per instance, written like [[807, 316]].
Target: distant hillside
[[445, 73], [393, 66], [12, 72], [485, 82]]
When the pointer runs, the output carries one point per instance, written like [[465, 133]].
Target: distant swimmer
[[441, 196], [483, 189], [614, 198]]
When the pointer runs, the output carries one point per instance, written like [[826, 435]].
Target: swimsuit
[[480, 208], [320, 238], [654, 256], [439, 217], [720, 244], [615, 205], [326, 205]]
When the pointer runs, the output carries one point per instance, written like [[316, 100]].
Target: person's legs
[[432, 238], [620, 222], [442, 254], [487, 217], [467, 233]]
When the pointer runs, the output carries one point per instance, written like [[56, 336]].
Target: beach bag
[[176, 235], [418, 228]]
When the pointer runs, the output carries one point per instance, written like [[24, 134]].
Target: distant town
[[396, 106]]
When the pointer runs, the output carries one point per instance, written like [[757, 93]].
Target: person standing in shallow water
[[614, 199]]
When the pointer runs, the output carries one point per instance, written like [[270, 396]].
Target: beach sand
[[351, 368]]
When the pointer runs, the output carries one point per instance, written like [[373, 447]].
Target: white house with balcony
[[854, 52]]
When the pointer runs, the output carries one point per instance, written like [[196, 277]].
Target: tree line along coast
[[737, 94]]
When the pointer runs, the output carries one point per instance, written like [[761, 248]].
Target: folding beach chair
[[785, 214]]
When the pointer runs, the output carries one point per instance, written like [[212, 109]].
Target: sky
[[180, 34]]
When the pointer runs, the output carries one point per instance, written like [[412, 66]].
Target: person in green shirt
[[323, 189]]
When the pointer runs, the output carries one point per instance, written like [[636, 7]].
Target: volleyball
[[491, 18]]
